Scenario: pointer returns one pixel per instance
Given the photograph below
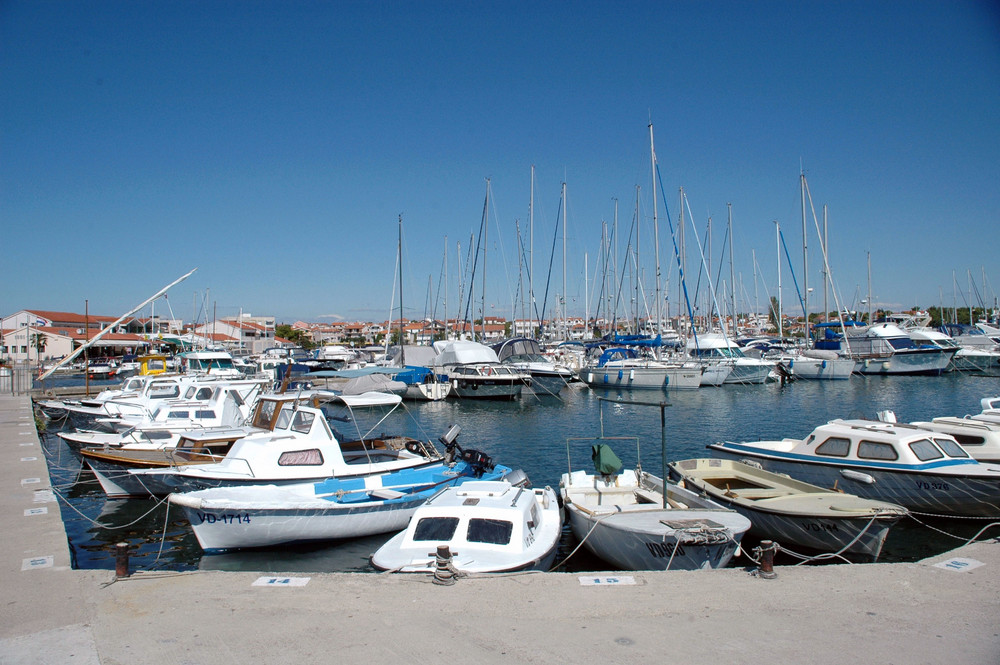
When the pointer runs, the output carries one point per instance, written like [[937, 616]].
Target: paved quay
[[943, 610]]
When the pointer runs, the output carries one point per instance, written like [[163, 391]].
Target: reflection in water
[[532, 434]]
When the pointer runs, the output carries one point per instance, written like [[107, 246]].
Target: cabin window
[[154, 434], [969, 440], [302, 422], [164, 392], [950, 448], [284, 418], [925, 450], [236, 397], [491, 532], [189, 392], [179, 414], [264, 414], [534, 516], [204, 414], [204, 393], [312, 457], [834, 447], [435, 528], [879, 451]]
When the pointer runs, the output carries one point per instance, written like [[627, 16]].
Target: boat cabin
[[876, 442]]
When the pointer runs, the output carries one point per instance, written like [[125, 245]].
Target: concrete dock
[[943, 610]]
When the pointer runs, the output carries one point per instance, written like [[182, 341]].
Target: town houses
[[36, 335]]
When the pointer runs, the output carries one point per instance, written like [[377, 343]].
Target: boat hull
[[335, 509], [643, 378], [929, 362], [634, 541], [928, 492], [474, 387], [823, 369], [220, 528]]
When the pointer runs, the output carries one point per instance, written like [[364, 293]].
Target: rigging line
[[552, 256], [722, 257], [788, 258], [711, 288], [503, 252], [677, 254]]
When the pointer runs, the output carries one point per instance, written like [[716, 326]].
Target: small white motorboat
[[488, 527], [628, 519]]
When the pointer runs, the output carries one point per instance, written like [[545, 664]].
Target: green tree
[[38, 340]]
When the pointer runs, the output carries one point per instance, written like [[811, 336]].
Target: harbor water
[[544, 436]]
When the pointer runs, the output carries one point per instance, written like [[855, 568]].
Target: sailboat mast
[[870, 288], [446, 287], [777, 315], [826, 273], [531, 254], [732, 268], [399, 249], [656, 229], [638, 281], [486, 244], [805, 254], [564, 298]]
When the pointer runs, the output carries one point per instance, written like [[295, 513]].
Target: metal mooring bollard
[[121, 560], [768, 548], [443, 573]]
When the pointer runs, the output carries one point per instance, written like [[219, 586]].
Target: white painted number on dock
[[44, 496], [607, 581], [29, 459], [36, 511], [30, 481], [959, 564], [37, 562], [281, 581]]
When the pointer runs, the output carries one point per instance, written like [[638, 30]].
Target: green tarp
[[605, 461]]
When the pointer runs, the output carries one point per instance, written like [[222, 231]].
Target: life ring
[[488, 371]]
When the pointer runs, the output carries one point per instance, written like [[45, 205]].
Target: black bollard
[[121, 560], [768, 549], [443, 573]]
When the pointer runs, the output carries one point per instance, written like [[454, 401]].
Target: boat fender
[[605, 378], [885, 364], [620, 374], [858, 476], [631, 375], [823, 365]]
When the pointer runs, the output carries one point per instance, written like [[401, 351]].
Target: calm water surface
[[540, 436]]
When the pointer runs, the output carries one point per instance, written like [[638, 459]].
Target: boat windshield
[[925, 450], [435, 528], [950, 448], [492, 532]]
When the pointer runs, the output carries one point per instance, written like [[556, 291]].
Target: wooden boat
[[488, 526], [790, 512], [629, 520]]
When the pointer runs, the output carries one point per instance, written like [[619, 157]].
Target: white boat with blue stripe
[[336, 508], [926, 472]]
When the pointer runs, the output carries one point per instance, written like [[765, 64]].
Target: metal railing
[[15, 379]]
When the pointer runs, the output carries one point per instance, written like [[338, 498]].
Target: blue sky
[[273, 145]]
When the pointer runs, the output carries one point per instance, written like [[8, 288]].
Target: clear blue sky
[[273, 145]]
